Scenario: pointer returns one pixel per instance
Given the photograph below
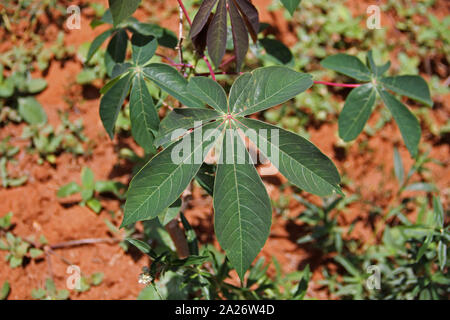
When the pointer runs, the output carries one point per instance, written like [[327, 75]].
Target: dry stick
[[81, 242], [180, 42]]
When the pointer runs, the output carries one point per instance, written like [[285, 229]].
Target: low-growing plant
[[49, 292], [88, 189], [5, 290], [213, 118], [49, 142], [18, 249]]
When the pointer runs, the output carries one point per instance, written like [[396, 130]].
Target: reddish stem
[[344, 85], [226, 62]]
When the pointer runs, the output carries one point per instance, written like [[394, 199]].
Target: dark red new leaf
[[201, 18], [199, 41], [250, 15], [216, 39], [240, 35]]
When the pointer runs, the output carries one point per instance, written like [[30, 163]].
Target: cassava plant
[[211, 119]]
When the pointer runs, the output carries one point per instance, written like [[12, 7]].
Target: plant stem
[[343, 85]]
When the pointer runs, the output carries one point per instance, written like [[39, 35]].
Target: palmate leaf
[[242, 210], [143, 115], [241, 204], [302, 163], [266, 87], [357, 109], [161, 181]]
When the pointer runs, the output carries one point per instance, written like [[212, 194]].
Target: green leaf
[[357, 109], [38, 293], [420, 186], [302, 163], [210, 92], [15, 262], [87, 183], [7, 88], [442, 254], [112, 102], [349, 65], [97, 43], [242, 210], [277, 51], [179, 119], [406, 121], [170, 213], [143, 48], [36, 85], [291, 5], [216, 38], [68, 189], [142, 246], [162, 180], [438, 212], [171, 81], [398, 167], [424, 246], [413, 87], [97, 278], [6, 288], [266, 87], [143, 115], [119, 70], [205, 177], [376, 70], [31, 111], [122, 9], [116, 50], [303, 284], [94, 205], [36, 253]]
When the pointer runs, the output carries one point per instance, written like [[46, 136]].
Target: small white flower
[[145, 279]]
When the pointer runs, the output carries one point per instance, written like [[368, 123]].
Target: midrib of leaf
[[303, 167], [245, 113], [179, 166], [366, 100]]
